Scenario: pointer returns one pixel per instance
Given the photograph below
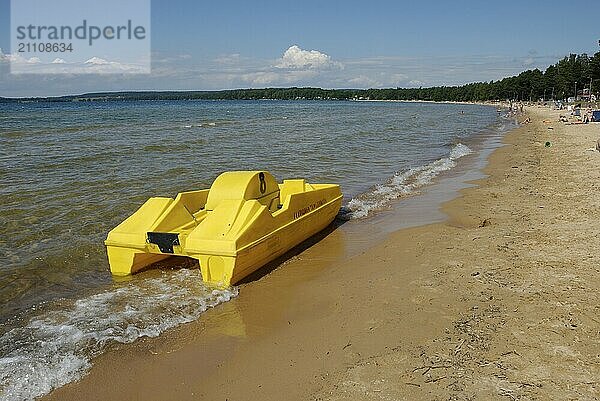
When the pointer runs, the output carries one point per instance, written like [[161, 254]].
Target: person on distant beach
[[598, 145]]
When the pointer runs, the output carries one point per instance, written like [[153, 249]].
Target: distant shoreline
[[283, 94]]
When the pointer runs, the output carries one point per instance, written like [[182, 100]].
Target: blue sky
[[200, 45]]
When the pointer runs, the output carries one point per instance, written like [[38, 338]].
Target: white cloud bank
[[94, 65], [297, 58], [17, 58], [293, 67]]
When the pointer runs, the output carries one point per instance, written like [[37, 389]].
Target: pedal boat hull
[[243, 222]]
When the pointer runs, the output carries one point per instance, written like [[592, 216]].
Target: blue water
[[72, 171]]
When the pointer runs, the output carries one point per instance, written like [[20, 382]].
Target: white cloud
[[295, 67], [99, 65], [297, 58], [97, 61], [17, 58], [94, 65]]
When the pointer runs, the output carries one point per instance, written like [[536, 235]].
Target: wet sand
[[498, 302]]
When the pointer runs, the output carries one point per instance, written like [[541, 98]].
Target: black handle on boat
[[165, 241]]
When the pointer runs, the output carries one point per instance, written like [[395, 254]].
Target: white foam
[[57, 347], [402, 184]]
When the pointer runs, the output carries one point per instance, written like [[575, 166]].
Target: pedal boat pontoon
[[245, 220]]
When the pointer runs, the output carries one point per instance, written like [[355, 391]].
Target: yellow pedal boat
[[245, 220]]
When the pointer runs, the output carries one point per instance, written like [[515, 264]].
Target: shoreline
[[458, 308], [490, 103]]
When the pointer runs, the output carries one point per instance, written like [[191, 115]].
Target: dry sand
[[499, 302]]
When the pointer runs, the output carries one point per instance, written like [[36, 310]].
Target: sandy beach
[[498, 302]]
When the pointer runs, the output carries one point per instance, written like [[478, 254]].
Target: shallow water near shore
[[77, 170]]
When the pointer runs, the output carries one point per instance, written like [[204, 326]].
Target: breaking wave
[[401, 184], [57, 347]]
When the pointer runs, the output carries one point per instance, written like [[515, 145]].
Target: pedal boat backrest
[[244, 185]]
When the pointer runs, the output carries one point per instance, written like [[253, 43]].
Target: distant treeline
[[559, 81]]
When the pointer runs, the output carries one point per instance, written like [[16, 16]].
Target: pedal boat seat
[[244, 185]]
